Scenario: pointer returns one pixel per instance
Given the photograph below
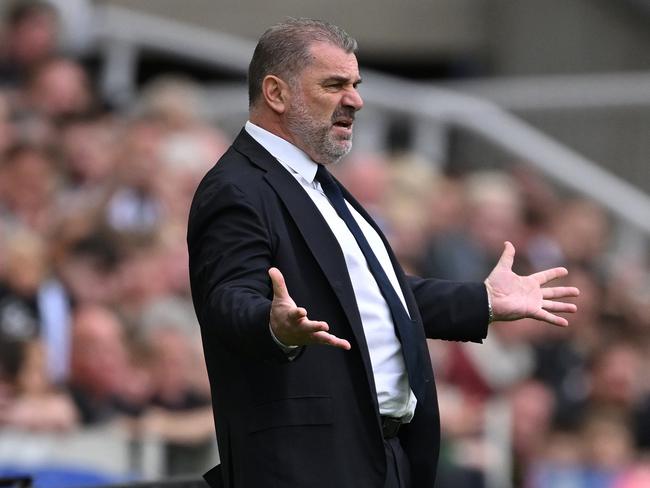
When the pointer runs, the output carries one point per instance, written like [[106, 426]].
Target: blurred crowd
[[96, 321]]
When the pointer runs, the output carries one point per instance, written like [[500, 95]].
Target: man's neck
[[272, 124]]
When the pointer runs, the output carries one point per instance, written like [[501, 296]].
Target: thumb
[[508, 256], [279, 286]]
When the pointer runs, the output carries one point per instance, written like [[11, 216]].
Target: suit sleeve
[[230, 254], [456, 311]]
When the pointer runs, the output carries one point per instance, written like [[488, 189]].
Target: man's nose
[[353, 99]]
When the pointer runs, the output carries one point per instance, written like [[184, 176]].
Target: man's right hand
[[290, 323]]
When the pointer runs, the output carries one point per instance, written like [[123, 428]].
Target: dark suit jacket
[[313, 421]]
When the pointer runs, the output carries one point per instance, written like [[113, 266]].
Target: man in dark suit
[[314, 337]]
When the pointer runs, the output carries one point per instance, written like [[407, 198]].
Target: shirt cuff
[[489, 303], [290, 351]]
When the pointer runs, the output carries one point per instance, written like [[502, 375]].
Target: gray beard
[[316, 137]]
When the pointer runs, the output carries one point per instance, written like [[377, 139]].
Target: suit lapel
[[316, 233]]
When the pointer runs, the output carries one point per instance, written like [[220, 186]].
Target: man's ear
[[276, 93]]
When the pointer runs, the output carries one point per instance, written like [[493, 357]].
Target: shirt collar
[[286, 153]]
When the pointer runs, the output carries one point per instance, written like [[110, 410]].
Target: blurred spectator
[[142, 277], [33, 304], [88, 264], [609, 446], [562, 448], [493, 215], [32, 403], [88, 149], [563, 355], [560, 463], [598, 455], [174, 258], [367, 178], [615, 376], [409, 185], [31, 128], [617, 383], [29, 38], [134, 209], [23, 275], [180, 412], [34, 338], [531, 411], [492, 368], [100, 365], [188, 145], [445, 206], [29, 180], [540, 206], [581, 231], [57, 88], [627, 299], [7, 130]]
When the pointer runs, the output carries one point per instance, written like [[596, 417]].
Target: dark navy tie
[[404, 327]]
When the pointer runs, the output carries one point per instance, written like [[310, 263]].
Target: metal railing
[[605, 90]]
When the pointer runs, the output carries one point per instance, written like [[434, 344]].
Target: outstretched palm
[[290, 323], [515, 297]]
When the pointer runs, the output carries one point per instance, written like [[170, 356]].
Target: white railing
[[107, 450], [537, 93], [519, 139]]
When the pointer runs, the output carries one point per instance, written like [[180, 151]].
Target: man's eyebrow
[[342, 79]]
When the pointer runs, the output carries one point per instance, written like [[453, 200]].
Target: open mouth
[[345, 124]]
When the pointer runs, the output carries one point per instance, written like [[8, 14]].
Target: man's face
[[324, 100]]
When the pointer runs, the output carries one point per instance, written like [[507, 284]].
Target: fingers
[[328, 339], [311, 326], [508, 255], [303, 331], [279, 286], [317, 333], [288, 321], [549, 274], [297, 314], [556, 307], [546, 316], [298, 326], [560, 292]]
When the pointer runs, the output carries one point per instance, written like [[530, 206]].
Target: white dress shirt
[[394, 395]]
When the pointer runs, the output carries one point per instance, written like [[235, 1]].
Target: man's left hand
[[516, 297]]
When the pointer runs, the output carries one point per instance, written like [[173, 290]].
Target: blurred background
[[485, 120]]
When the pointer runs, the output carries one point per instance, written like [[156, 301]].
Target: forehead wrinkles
[[330, 60]]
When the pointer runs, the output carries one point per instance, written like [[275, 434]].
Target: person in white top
[[314, 337]]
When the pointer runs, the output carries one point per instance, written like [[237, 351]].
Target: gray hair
[[283, 50]]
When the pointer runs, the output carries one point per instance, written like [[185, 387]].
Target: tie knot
[[322, 175], [327, 182]]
